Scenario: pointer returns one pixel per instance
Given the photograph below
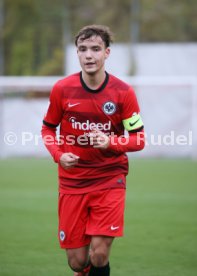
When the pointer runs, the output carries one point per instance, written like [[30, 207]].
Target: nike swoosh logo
[[114, 227], [133, 123], [71, 105]]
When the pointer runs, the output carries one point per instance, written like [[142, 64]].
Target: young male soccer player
[[93, 108]]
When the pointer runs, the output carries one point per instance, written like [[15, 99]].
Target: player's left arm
[[132, 122], [120, 144], [134, 142]]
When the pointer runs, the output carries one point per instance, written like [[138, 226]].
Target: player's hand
[[99, 139], [68, 160]]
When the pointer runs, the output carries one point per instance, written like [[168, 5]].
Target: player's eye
[[96, 49], [82, 49]]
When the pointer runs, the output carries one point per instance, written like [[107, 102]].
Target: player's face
[[92, 54]]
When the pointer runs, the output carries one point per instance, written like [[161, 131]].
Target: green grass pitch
[[160, 221]]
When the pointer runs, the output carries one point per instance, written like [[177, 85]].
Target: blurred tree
[[114, 13], [171, 21], [35, 32], [32, 36]]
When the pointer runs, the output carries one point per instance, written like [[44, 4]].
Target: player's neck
[[94, 81]]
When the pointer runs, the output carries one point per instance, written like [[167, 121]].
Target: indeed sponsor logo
[[87, 125]]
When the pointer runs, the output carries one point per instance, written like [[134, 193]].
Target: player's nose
[[88, 54]]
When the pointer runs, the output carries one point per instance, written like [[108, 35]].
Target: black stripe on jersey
[[94, 90], [137, 129], [49, 124]]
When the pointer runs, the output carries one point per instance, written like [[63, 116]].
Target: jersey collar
[[94, 90]]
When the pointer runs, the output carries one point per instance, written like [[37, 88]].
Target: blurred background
[[155, 51], [34, 34]]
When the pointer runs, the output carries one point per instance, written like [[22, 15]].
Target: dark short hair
[[95, 30]]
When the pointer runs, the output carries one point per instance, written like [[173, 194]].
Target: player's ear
[[107, 52]]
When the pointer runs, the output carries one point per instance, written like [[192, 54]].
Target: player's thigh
[[106, 213], [73, 216], [101, 243]]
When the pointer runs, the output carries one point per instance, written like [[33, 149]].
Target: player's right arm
[[51, 121]]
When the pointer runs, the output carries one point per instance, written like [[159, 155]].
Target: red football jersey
[[78, 109]]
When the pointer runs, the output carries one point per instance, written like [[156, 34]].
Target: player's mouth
[[89, 63]]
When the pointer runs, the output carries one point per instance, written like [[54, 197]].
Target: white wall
[[152, 59]]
